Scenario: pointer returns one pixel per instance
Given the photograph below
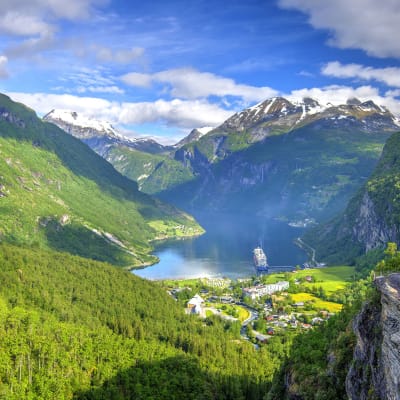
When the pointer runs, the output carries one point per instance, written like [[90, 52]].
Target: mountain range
[[55, 192], [73, 327], [293, 160]]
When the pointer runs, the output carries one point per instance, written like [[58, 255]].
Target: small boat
[[260, 260]]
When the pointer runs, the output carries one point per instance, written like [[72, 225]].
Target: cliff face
[[375, 373], [372, 217], [369, 228]]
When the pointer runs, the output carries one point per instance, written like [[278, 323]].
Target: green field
[[331, 279], [317, 302]]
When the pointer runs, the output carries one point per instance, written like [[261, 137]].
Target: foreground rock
[[375, 373]]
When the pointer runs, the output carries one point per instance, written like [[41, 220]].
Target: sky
[[161, 68]]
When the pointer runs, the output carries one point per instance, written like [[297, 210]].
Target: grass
[[331, 279], [47, 176], [317, 302], [243, 313], [180, 282]]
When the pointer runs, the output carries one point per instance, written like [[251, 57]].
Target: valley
[[199, 200], [76, 325]]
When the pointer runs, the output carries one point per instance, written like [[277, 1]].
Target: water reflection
[[226, 249]]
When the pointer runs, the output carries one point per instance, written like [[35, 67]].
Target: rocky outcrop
[[369, 228], [375, 372]]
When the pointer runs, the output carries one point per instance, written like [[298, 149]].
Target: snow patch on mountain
[[81, 121]]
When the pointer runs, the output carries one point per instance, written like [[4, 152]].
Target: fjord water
[[225, 250]]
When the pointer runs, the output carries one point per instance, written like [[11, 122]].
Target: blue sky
[[161, 68]]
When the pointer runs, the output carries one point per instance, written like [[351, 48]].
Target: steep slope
[[374, 371], [296, 160], [372, 217], [141, 159], [57, 193], [100, 135], [76, 328], [279, 158]]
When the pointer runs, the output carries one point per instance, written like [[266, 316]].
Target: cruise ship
[[260, 260]]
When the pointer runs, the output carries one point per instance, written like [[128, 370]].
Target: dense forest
[[72, 327], [77, 328]]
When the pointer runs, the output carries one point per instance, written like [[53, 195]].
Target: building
[[254, 292], [195, 306]]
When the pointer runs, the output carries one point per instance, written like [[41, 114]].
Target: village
[[267, 305]]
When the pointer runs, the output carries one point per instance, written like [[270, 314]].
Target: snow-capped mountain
[[101, 136], [80, 126], [194, 135], [278, 115]]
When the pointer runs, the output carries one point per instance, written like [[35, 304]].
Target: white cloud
[[189, 83], [336, 95], [390, 75], [15, 23], [121, 56], [180, 113], [176, 113], [369, 25], [137, 79], [100, 89], [31, 46], [39, 15], [3, 67]]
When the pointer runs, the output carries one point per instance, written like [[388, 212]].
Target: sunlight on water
[[226, 250]]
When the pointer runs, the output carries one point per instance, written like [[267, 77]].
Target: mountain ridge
[[57, 193]]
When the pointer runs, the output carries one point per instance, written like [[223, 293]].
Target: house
[[270, 331], [298, 304], [195, 306], [308, 278]]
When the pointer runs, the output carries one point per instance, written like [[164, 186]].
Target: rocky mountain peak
[[79, 125]]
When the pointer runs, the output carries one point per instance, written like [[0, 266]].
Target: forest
[[78, 328]]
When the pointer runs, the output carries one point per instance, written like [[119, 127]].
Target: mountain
[[294, 160], [141, 159], [101, 136], [193, 136], [57, 193], [372, 217]]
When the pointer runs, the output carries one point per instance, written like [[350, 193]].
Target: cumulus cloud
[[181, 113], [15, 23], [390, 75], [336, 95], [37, 22], [34, 17], [3, 67], [369, 25], [177, 113], [189, 83]]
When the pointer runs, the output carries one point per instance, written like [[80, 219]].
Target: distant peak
[[80, 121], [353, 101]]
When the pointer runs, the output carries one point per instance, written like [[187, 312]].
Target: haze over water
[[226, 249]]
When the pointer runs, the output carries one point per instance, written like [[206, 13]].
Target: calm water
[[226, 249]]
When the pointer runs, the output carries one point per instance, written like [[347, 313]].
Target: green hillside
[[153, 172], [307, 173], [371, 219], [76, 328], [57, 193]]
